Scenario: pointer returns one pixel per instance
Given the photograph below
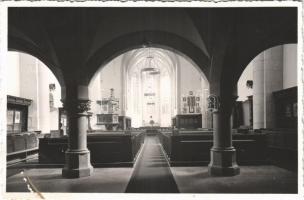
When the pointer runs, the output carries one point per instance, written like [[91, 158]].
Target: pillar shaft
[[223, 154], [43, 96], [267, 77], [221, 130], [273, 80], [258, 91], [78, 126], [77, 156]]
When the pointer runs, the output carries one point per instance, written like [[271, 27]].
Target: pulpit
[[109, 117], [110, 121]]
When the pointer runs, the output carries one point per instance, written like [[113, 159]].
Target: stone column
[[178, 90], [77, 156], [43, 98], [258, 91], [273, 80], [223, 154], [123, 91], [267, 77]]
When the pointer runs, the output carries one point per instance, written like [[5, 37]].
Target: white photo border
[[3, 54]]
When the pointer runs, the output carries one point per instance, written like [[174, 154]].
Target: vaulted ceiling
[[75, 42]]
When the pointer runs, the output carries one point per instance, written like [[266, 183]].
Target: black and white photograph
[[166, 99]]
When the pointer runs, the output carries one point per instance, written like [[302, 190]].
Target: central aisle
[[152, 173]]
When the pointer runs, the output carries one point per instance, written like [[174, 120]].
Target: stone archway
[[171, 63], [24, 46], [146, 39]]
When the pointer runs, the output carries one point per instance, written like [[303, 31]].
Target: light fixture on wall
[[249, 84], [52, 86]]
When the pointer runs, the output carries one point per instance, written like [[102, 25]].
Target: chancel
[[152, 100]]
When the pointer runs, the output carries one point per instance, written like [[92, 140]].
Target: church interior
[[152, 100]]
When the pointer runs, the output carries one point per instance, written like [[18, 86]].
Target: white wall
[[54, 115], [190, 78], [290, 66], [246, 113], [95, 95], [29, 88], [43, 98], [13, 78], [30, 78]]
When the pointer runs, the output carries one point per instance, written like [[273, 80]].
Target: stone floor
[[152, 174], [252, 179], [102, 180]]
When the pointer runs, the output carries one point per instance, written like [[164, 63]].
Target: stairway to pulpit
[[152, 172]]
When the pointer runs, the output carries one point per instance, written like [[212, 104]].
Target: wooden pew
[[107, 148], [20, 147], [193, 147], [282, 146]]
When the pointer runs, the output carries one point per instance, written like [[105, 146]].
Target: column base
[[223, 162], [77, 164]]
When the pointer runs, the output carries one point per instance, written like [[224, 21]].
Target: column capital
[[218, 103], [78, 105], [213, 103]]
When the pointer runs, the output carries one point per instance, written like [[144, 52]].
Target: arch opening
[[153, 85], [142, 39], [32, 81], [272, 71], [22, 46]]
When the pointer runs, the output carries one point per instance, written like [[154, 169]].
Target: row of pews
[[192, 147], [107, 148], [282, 148], [182, 146], [20, 147]]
